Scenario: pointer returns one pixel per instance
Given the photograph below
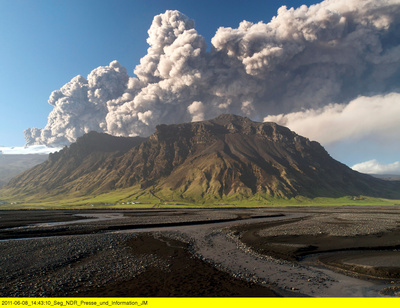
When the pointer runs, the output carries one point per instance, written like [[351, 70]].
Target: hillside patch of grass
[[135, 197]]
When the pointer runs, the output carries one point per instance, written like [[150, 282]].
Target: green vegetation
[[135, 197]]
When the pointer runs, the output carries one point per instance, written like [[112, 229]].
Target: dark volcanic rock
[[227, 156]]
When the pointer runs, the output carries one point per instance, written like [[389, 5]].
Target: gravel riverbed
[[231, 252]]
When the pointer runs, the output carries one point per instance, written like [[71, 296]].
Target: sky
[[327, 71]]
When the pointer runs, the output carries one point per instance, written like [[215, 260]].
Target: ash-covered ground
[[264, 252]]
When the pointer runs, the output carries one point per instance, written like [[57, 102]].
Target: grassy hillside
[[135, 197]]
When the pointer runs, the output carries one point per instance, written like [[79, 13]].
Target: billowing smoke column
[[81, 106], [305, 62]]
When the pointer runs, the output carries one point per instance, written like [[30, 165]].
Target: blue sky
[[45, 43]]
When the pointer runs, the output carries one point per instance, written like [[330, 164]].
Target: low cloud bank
[[375, 167], [34, 149], [375, 118]]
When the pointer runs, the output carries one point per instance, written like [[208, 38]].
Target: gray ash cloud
[[305, 61]]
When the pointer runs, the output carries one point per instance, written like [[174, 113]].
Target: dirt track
[[195, 252]]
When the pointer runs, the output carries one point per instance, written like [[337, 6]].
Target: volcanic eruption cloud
[[317, 70]]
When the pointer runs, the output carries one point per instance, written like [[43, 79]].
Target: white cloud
[[375, 118], [34, 149], [375, 167]]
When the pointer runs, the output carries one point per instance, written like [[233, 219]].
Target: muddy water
[[91, 217]]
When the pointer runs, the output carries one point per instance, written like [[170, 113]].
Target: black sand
[[183, 275]]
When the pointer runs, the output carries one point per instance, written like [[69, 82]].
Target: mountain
[[229, 156], [63, 172], [388, 177], [13, 164]]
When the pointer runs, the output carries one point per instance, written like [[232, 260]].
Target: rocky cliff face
[[228, 156]]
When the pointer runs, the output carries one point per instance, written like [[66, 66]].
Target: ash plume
[[305, 62]]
